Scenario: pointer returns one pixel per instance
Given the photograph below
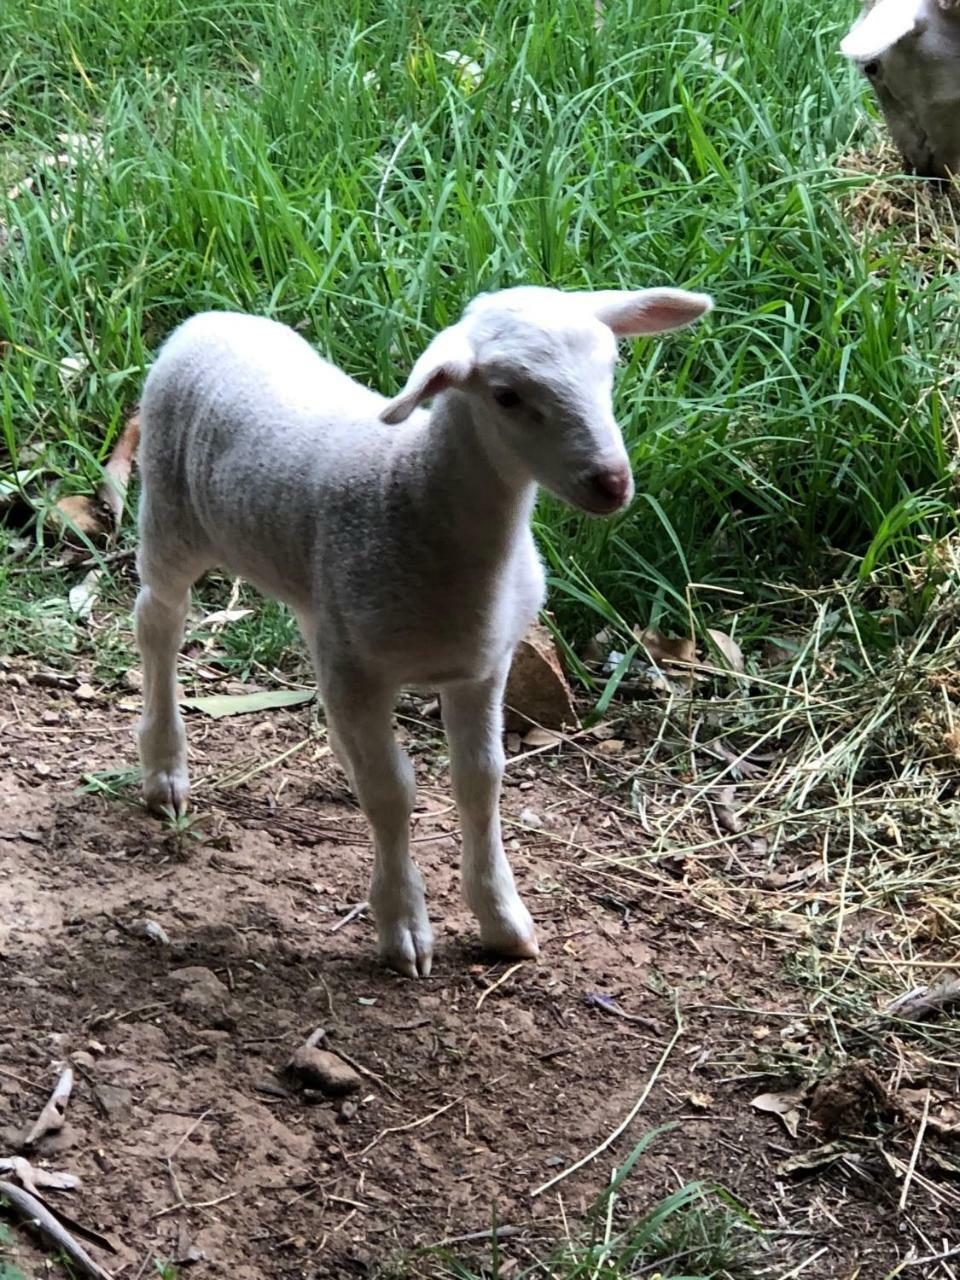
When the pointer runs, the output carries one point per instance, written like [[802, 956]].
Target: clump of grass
[[697, 1233]]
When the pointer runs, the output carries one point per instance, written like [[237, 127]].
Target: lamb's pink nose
[[611, 487]]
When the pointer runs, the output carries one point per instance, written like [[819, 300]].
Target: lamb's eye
[[871, 68], [506, 397]]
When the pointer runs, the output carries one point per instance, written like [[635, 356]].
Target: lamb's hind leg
[[473, 716], [159, 616], [358, 715]]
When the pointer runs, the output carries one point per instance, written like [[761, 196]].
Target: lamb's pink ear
[[447, 362], [631, 314]]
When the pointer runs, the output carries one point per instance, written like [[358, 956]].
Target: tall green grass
[[324, 163]]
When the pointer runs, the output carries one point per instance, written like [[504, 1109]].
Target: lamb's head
[[909, 50], [536, 368]]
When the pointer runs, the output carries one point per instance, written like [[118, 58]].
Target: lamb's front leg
[[473, 717], [359, 716]]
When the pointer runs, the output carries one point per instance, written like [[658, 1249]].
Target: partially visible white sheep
[[910, 52], [405, 551]]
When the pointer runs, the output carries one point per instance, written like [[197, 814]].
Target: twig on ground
[[499, 983], [504, 1232], [404, 1128], [626, 1122], [27, 1084], [38, 1215], [915, 1153], [351, 915], [53, 1114], [953, 1252], [193, 1204]]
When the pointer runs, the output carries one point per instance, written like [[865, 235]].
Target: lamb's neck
[[481, 491]]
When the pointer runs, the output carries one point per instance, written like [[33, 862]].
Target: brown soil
[[464, 1110]]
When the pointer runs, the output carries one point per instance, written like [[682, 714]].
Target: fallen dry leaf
[[925, 1001], [228, 704], [537, 688], [222, 616], [807, 1161], [727, 816], [541, 738], [113, 492], [730, 651], [663, 648], [81, 514], [83, 596], [784, 1105], [97, 518]]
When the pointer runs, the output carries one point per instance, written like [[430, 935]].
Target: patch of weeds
[[183, 829], [115, 784], [7, 1269], [268, 638], [166, 1270], [35, 619], [700, 1232]]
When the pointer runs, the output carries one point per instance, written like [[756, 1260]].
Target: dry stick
[[414, 1124], [492, 1233], [802, 1266], [52, 1115], [499, 983], [29, 1084], [923, 1262], [624, 1124], [39, 1216], [915, 1154], [193, 1204], [351, 915], [193, 1128]]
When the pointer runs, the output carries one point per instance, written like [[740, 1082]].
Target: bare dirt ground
[[479, 1083]]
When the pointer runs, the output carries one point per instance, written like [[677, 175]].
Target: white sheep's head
[[535, 368], [910, 52]]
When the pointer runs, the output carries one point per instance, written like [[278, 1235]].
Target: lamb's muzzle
[[404, 550]]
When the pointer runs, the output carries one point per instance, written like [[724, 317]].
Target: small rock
[[530, 818], [114, 1100], [203, 998], [150, 929], [132, 679], [51, 717], [85, 693], [537, 689], [270, 1087], [83, 1059], [347, 1111], [323, 1070]]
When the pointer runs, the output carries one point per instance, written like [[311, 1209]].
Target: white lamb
[[910, 52], [404, 551]]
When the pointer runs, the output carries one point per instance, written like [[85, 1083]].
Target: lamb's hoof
[[166, 791], [511, 934], [408, 949], [511, 948]]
